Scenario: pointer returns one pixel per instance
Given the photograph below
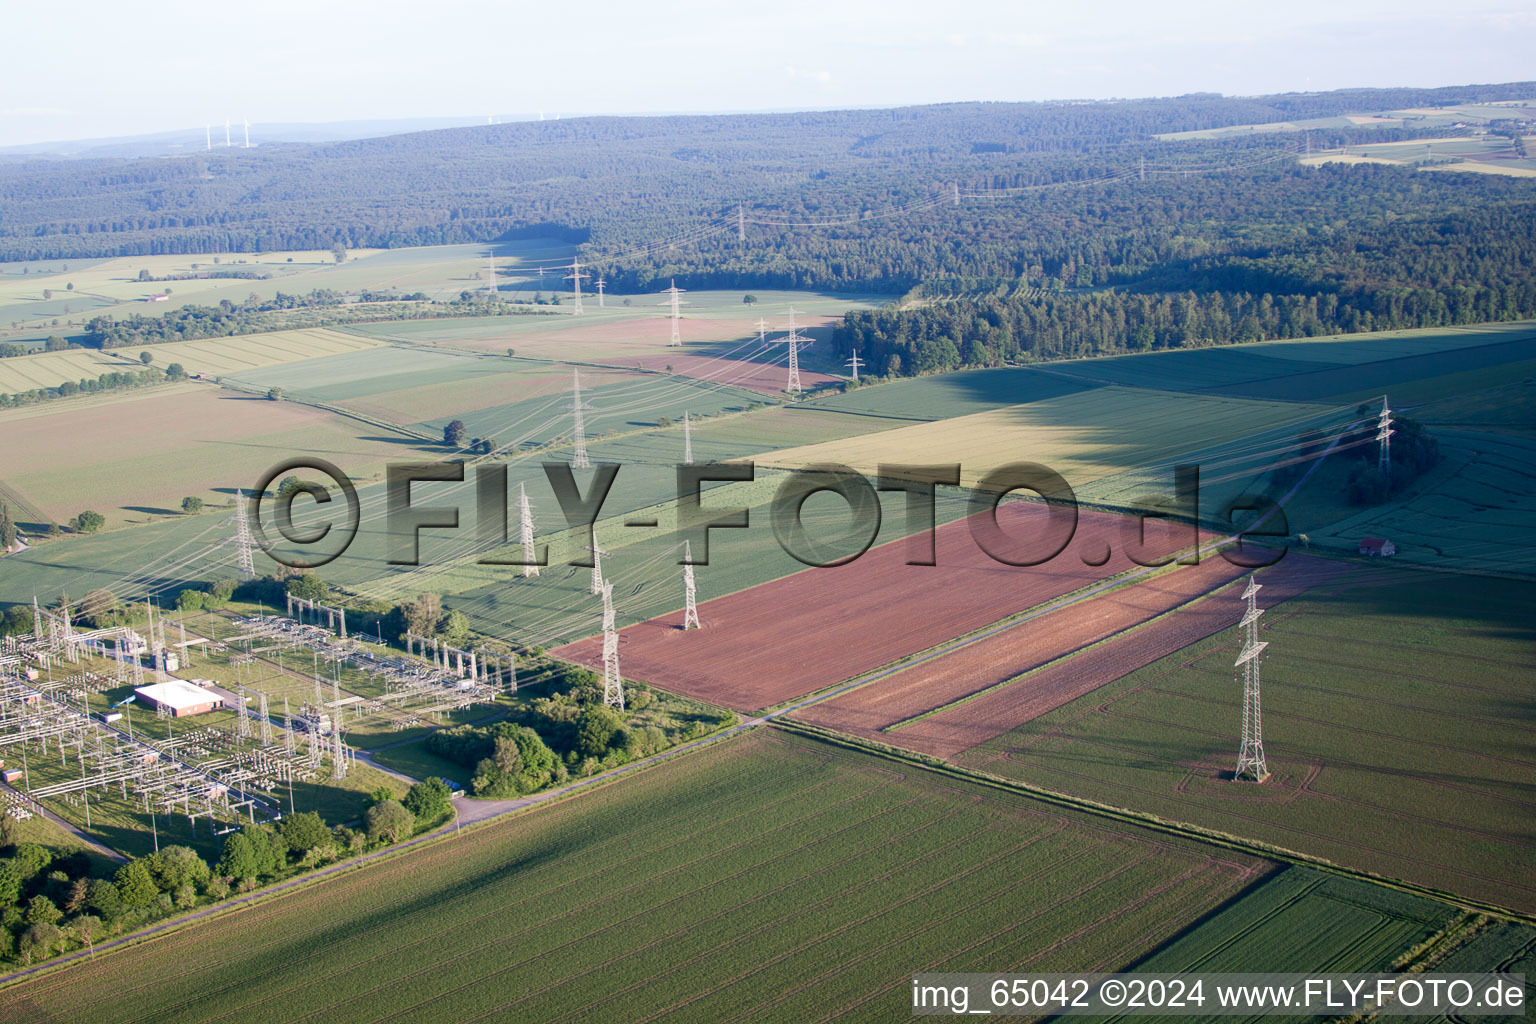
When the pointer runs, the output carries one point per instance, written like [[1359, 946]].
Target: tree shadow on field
[[150, 510]]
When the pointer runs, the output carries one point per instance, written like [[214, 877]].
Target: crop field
[[825, 877], [1033, 643], [952, 394], [203, 442], [112, 287], [1383, 374], [209, 357], [886, 611], [1298, 920], [361, 374], [1488, 154], [1391, 724], [615, 404], [965, 723], [1421, 117], [1083, 436], [1477, 510], [714, 324], [1194, 369], [768, 374]]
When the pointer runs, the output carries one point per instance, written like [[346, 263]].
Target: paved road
[[75, 831]]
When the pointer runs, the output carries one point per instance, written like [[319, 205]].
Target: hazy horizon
[[122, 74]]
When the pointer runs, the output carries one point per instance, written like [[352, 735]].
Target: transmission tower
[[954, 193], [578, 408], [525, 531], [245, 560], [613, 683], [1250, 758], [741, 223], [794, 339], [1384, 434], [266, 721], [762, 331], [597, 565], [600, 283], [854, 363], [677, 316], [338, 754], [492, 262], [690, 594], [687, 439], [575, 277]]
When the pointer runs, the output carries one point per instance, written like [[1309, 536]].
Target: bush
[[389, 822], [87, 522], [429, 799]]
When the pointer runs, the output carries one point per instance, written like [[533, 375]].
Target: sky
[[94, 69]]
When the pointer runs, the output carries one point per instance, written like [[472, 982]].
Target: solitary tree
[[339, 251], [274, 394], [453, 433], [88, 522], [191, 505]]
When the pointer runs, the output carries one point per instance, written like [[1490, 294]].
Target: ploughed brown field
[[965, 725], [769, 378], [1029, 645], [776, 641]]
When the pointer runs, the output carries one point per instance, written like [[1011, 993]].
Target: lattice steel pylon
[[613, 682], [578, 408], [687, 439], [597, 565], [677, 315], [525, 532], [575, 277], [1250, 757], [794, 339], [690, 590], [1384, 434], [245, 559]]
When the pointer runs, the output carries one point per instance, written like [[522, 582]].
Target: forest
[[1013, 230]]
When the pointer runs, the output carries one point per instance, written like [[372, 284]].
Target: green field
[[111, 287], [824, 877], [952, 394], [1392, 725], [1476, 511], [1299, 919]]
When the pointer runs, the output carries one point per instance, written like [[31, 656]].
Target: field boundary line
[[251, 389], [1185, 830], [1059, 659]]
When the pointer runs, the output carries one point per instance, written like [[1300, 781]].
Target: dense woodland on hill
[[1218, 240]]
